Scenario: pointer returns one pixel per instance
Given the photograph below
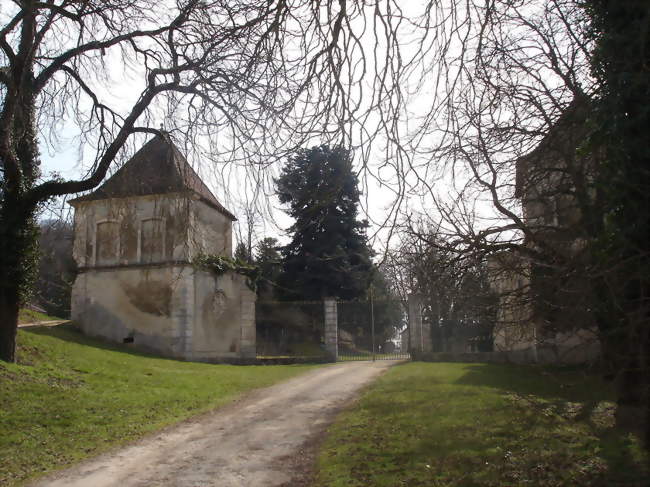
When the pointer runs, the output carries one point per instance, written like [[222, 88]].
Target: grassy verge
[[71, 397], [31, 316], [442, 424]]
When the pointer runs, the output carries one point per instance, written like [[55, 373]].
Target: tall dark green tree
[[621, 65], [328, 254]]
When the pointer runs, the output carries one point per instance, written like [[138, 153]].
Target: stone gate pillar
[[331, 328], [247, 324], [419, 332]]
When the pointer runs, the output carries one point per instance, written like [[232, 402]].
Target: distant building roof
[[158, 167]]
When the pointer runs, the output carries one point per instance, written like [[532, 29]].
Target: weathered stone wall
[[224, 324], [131, 229], [137, 285], [514, 329], [152, 307], [210, 231], [520, 332], [176, 311]]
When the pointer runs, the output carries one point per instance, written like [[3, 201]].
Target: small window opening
[[128, 340]]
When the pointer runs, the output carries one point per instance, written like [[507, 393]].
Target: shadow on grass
[[564, 388], [561, 383], [69, 332], [455, 424]]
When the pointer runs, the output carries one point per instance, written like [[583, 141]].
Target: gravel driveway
[[268, 438]]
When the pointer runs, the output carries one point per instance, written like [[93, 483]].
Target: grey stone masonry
[[331, 328], [419, 332], [247, 326]]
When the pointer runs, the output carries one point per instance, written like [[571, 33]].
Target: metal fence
[[372, 330], [367, 330], [290, 329]]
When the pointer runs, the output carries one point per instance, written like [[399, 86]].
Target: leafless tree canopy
[[241, 80], [499, 75]]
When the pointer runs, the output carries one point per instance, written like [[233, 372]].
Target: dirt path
[[43, 323], [267, 439]]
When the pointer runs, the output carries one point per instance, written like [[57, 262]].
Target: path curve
[[261, 440]]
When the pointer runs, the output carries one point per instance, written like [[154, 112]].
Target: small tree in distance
[[242, 254], [267, 258], [328, 254]]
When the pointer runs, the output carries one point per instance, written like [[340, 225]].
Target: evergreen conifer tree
[[328, 254]]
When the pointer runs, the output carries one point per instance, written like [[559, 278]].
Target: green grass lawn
[[71, 397], [444, 424]]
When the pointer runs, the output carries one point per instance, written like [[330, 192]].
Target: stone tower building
[[135, 238], [545, 298]]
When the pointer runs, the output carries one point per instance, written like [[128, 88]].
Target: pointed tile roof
[[158, 167]]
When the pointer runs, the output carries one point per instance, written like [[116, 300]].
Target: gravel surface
[[268, 438]]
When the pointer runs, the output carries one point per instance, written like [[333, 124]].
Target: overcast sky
[[231, 184], [387, 181]]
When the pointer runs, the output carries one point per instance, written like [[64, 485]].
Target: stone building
[[543, 290], [135, 239]]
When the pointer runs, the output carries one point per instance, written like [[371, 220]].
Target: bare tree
[[516, 97], [496, 155], [246, 81], [56, 267], [457, 300]]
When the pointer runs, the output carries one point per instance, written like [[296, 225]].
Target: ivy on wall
[[219, 265]]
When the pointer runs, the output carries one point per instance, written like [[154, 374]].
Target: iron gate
[[290, 329], [372, 330]]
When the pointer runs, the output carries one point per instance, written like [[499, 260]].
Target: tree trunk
[[9, 299], [633, 388], [18, 258], [626, 343]]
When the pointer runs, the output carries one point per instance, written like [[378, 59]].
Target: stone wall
[[175, 311], [521, 331], [132, 231], [210, 231], [224, 324], [515, 328], [148, 229], [136, 283], [149, 307]]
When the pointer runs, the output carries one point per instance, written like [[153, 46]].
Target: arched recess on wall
[[152, 240], [107, 242]]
